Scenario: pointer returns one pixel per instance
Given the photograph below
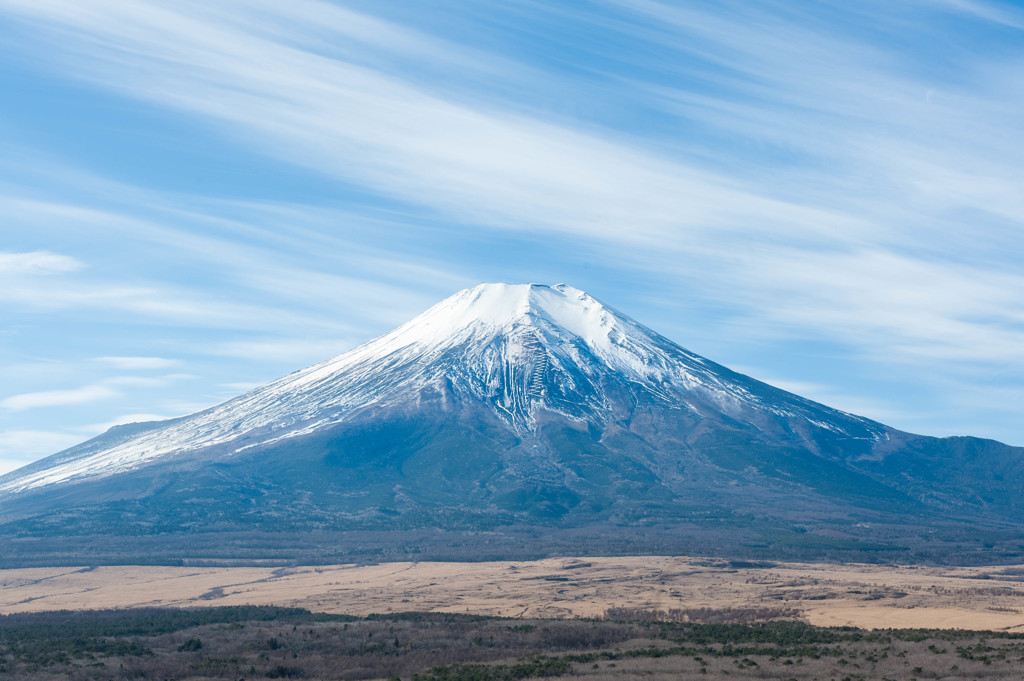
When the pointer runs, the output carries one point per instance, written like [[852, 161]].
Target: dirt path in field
[[858, 595]]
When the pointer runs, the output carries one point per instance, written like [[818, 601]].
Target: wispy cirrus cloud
[[290, 284], [843, 174], [137, 363], [147, 381], [105, 389], [36, 263], [894, 308], [57, 398], [368, 127], [1000, 13], [785, 79], [296, 349]]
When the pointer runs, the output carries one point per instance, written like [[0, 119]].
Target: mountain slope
[[517, 349], [507, 407]]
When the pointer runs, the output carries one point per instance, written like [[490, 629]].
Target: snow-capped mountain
[[519, 349], [505, 406]]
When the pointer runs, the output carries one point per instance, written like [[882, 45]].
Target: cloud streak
[[37, 263], [271, 277], [370, 128], [807, 170], [137, 363], [57, 398]]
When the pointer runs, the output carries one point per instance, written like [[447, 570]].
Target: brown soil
[[865, 596]]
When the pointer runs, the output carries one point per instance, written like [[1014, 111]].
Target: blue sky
[[199, 197]]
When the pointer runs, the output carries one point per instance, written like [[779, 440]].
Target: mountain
[[514, 421]]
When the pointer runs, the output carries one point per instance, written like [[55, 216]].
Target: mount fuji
[[514, 421]]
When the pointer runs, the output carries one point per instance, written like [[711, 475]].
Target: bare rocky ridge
[[510, 422]]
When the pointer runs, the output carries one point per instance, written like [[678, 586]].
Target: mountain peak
[[506, 407], [493, 308], [520, 352]]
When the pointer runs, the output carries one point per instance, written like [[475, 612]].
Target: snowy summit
[[505, 406], [517, 348]]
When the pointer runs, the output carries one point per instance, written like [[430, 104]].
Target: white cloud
[[895, 308], [995, 12], [146, 381], [56, 398], [168, 303], [819, 180], [35, 371], [103, 390], [137, 363], [37, 262], [371, 128], [299, 351], [288, 291]]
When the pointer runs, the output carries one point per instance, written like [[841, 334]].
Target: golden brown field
[[865, 596]]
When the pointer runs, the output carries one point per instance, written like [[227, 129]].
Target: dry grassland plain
[[866, 596]]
